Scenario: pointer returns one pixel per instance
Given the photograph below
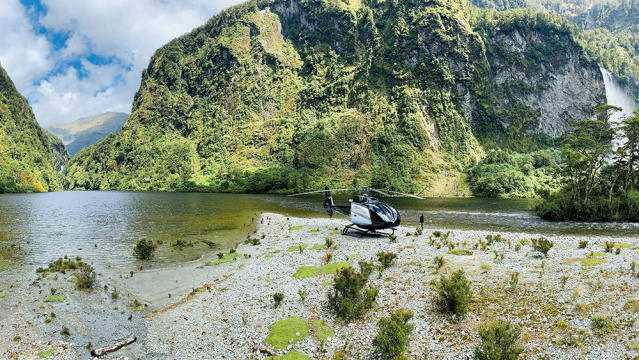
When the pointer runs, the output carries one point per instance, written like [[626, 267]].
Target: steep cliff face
[[26, 150], [539, 82], [285, 95]]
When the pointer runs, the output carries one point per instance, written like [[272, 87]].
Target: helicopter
[[368, 215]]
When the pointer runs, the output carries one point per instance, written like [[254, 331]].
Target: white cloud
[[23, 54], [128, 32]]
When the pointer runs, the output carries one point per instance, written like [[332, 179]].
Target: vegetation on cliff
[[280, 96], [28, 154], [610, 30]]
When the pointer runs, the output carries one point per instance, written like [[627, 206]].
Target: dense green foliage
[[506, 174], [144, 249], [350, 297], [280, 96], [500, 340], [28, 153], [454, 294], [394, 334], [600, 183]]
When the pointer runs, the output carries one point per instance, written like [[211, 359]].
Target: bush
[[277, 298], [386, 258], [65, 331], [454, 294], [85, 277], [439, 262], [393, 335], [329, 243], [349, 298], [583, 244], [499, 341], [144, 249], [609, 246], [601, 325], [542, 245]]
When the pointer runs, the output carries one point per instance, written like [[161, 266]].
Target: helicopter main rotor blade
[[322, 191], [408, 195]]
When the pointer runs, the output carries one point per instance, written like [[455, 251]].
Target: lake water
[[102, 227]]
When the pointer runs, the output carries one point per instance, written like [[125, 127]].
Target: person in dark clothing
[[421, 220]]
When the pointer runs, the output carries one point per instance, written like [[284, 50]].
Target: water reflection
[[103, 226]]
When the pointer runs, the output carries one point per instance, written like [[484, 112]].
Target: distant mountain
[[77, 135], [30, 157]]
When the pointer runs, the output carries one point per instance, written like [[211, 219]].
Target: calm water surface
[[102, 227]]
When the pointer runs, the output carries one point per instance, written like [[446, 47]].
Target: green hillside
[[280, 96], [28, 154]]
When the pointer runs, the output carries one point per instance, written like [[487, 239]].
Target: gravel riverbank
[[229, 312]]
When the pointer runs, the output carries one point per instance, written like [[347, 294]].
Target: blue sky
[[77, 58]]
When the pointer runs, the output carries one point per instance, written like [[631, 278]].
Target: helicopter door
[[360, 215]]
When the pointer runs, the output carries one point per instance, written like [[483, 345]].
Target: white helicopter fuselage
[[360, 215]]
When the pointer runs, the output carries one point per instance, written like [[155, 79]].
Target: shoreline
[[224, 311]]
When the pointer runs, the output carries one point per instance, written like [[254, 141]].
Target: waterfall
[[618, 96]]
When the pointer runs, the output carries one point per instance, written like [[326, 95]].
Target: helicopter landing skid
[[366, 231]]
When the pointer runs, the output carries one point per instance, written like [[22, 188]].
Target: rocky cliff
[[285, 95], [28, 154]]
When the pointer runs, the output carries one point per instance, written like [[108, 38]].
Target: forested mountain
[[611, 30], [78, 134], [285, 95], [29, 155]]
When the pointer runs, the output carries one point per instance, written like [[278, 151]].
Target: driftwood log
[[113, 347], [266, 351]]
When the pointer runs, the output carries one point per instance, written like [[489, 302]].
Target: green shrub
[[514, 281], [542, 245], [252, 241], [349, 298], [65, 331], [601, 325], [85, 277], [329, 243], [454, 294], [437, 233], [583, 244], [277, 299], [302, 294], [144, 249], [499, 341], [386, 258], [393, 335], [609, 246], [439, 262]]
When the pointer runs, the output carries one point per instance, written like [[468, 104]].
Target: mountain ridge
[[279, 96], [79, 134]]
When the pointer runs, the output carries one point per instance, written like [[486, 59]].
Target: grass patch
[[3, 295], [624, 246], [228, 257], [45, 353], [334, 232], [591, 261], [333, 267], [327, 283], [317, 247], [283, 331], [140, 307], [354, 256], [55, 298], [322, 331], [596, 254], [460, 252], [293, 228], [306, 272], [296, 248], [293, 355], [314, 231]]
